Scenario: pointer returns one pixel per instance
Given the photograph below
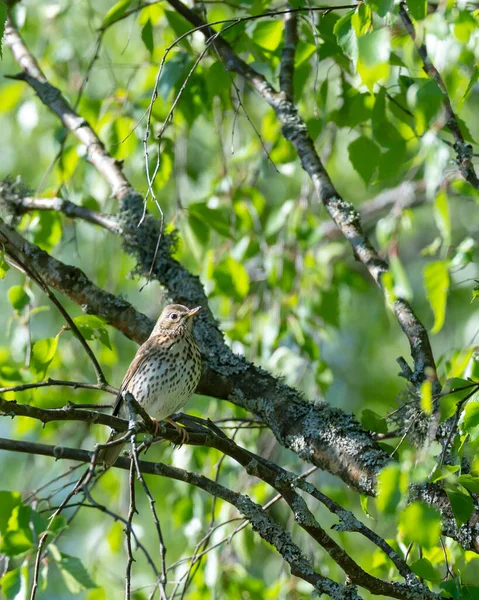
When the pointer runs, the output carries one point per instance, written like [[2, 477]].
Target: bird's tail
[[109, 455]]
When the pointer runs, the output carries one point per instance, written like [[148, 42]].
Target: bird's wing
[[141, 355]]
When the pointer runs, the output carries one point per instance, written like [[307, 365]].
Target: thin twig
[[462, 148]]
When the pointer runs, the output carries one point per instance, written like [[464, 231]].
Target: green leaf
[[75, 575], [43, 353], [421, 524], [426, 396], [454, 390], [389, 489], [472, 82], [3, 18], [424, 99], [445, 472], [216, 218], [373, 422], [268, 34], [381, 7], [147, 36], [231, 276], [8, 501], [47, 230], [424, 569], [436, 280], [362, 19], [373, 57], [453, 588], [470, 482], [116, 12], [346, 36], [4, 267], [93, 328], [18, 297], [441, 215], [278, 218], [462, 505], [363, 500], [173, 71], [364, 156], [179, 24], [417, 8], [471, 416], [24, 526], [10, 584]]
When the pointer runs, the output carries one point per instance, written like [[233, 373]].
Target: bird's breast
[[166, 381]]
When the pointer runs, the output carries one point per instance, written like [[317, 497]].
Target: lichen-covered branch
[[260, 520], [321, 434], [18, 204], [286, 75]]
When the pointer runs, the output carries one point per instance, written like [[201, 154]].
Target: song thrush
[[164, 373]]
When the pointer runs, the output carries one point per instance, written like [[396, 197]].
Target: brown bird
[[163, 375]]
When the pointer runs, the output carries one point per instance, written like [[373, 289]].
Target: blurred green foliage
[[287, 297]]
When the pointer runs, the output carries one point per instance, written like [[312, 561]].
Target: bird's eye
[[173, 316]]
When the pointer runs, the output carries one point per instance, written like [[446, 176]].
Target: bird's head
[[175, 319]]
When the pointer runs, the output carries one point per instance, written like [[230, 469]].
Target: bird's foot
[[157, 426], [183, 433]]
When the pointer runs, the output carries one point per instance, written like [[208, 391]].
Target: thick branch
[[462, 148], [286, 75], [321, 434], [318, 433], [260, 520]]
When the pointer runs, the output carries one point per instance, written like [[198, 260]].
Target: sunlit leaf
[[18, 297], [4, 267], [116, 12], [389, 489], [373, 57], [11, 583], [471, 416], [43, 352], [268, 34], [421, 524], [417, 8], [426, 396], [436, 280]]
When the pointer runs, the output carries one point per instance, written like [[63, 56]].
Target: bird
[[163, 375]]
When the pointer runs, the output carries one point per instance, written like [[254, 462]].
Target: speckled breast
[[165, 383]]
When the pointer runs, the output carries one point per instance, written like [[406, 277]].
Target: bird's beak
[[193, 312]]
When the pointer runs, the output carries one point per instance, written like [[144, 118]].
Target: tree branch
[[462, 148], [286, 75], [343, 213], [260, 520], [19, 205], [319, 433]]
